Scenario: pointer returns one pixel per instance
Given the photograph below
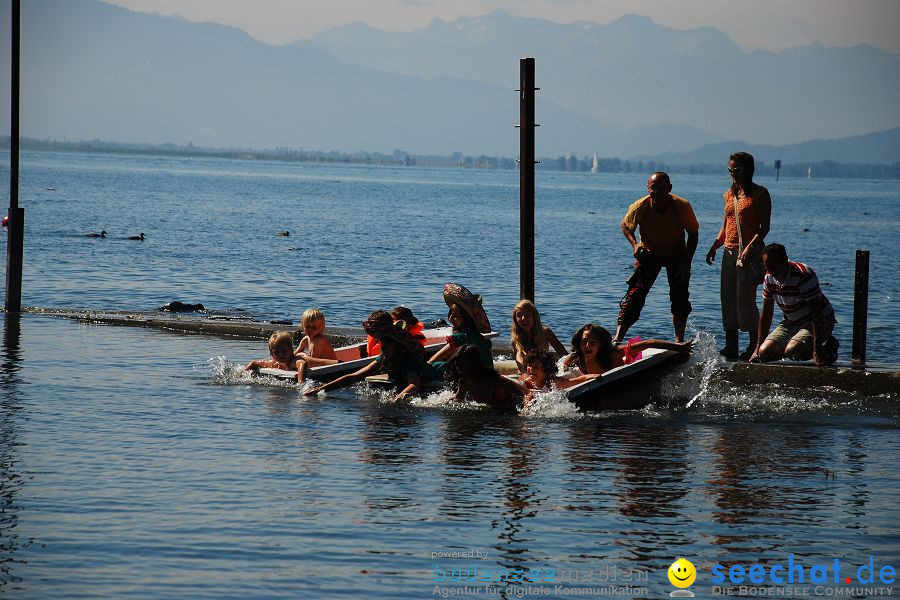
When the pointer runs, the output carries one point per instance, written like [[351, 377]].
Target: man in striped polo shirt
[[809, 319]]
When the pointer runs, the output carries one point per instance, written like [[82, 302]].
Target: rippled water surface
[[140, 463], [367, 237], [136, 463]]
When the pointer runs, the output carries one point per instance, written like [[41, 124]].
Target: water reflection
[[391, 447], [493, 469], [520, 498], [11, 480], [769, 475]]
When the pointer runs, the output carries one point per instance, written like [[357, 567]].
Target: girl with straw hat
[[469, 323]]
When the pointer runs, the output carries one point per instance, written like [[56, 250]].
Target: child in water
[[471, 379], [315, 349], [405, 318], [469, 321], [594, 352], [373, 345], [281, 347], [528, 333], [541, 373], [402, 358]]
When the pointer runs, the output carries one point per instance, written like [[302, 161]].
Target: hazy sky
[[766, 24]]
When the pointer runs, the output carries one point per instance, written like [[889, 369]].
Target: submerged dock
[[867, 380]]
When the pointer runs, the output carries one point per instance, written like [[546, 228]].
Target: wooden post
[[16, 236], [526, 178], [860, 307]]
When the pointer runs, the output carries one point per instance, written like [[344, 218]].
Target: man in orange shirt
[[663, 219]]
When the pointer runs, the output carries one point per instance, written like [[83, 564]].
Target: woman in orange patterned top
[[748, 209]]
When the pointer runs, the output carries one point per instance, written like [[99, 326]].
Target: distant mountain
[[874, 148], [94, 70], [91, 70], [633, 72]]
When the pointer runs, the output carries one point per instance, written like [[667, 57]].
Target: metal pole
[[16, 235], [526, 178], [860, 306]]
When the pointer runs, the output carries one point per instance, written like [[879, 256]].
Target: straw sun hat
[[469, 302]]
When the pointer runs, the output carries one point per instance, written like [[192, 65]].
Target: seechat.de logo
[[682, 574]]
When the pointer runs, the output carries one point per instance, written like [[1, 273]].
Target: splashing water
[[223, 371], [706, 359], [551, 405]]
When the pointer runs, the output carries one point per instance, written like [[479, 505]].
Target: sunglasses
[[734, 170]]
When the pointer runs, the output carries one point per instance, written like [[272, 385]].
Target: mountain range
[[632, 87]]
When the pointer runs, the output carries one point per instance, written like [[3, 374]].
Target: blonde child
[[528, 333], [594, 352], [315, 349], [281, 347]]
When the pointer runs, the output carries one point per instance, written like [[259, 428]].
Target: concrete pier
[[869, 381]]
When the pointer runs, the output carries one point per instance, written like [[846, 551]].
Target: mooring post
[[526, 178], [860, 306], [16, 235]]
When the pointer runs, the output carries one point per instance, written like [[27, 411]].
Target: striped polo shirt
[[794, 294]]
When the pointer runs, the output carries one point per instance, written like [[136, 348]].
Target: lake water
[[366, 237], [136, 463]]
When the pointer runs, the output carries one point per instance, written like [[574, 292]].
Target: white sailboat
[[595, 166], [809, 172]]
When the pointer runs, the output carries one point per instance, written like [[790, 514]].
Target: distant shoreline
[[571, 163]]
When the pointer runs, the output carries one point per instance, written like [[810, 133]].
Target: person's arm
[[567, 361], [304, 343], [554, 342], [414, 381], [663, 345], [301, 370], [317, 362], [629, 235], [345, 379], [513, 386], [461, 390], [693, 238], [441, 354], [717, 243], [257, 364], [562, 383], [690, 224], [765, 321], [815, 308], [526, 400], [322, 353]]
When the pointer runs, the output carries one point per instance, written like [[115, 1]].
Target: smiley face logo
[[682, 573]]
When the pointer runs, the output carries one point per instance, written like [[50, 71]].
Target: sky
[[753, 24]]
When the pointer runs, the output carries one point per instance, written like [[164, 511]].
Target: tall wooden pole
[[526, 178], [16, 235], [860, 307]]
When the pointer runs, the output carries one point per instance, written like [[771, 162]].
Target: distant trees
[[570, 163]]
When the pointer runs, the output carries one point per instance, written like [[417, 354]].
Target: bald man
[[664, 220]]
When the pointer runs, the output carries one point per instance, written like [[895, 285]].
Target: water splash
[[223, 371], [705, 362], [551, 405]]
